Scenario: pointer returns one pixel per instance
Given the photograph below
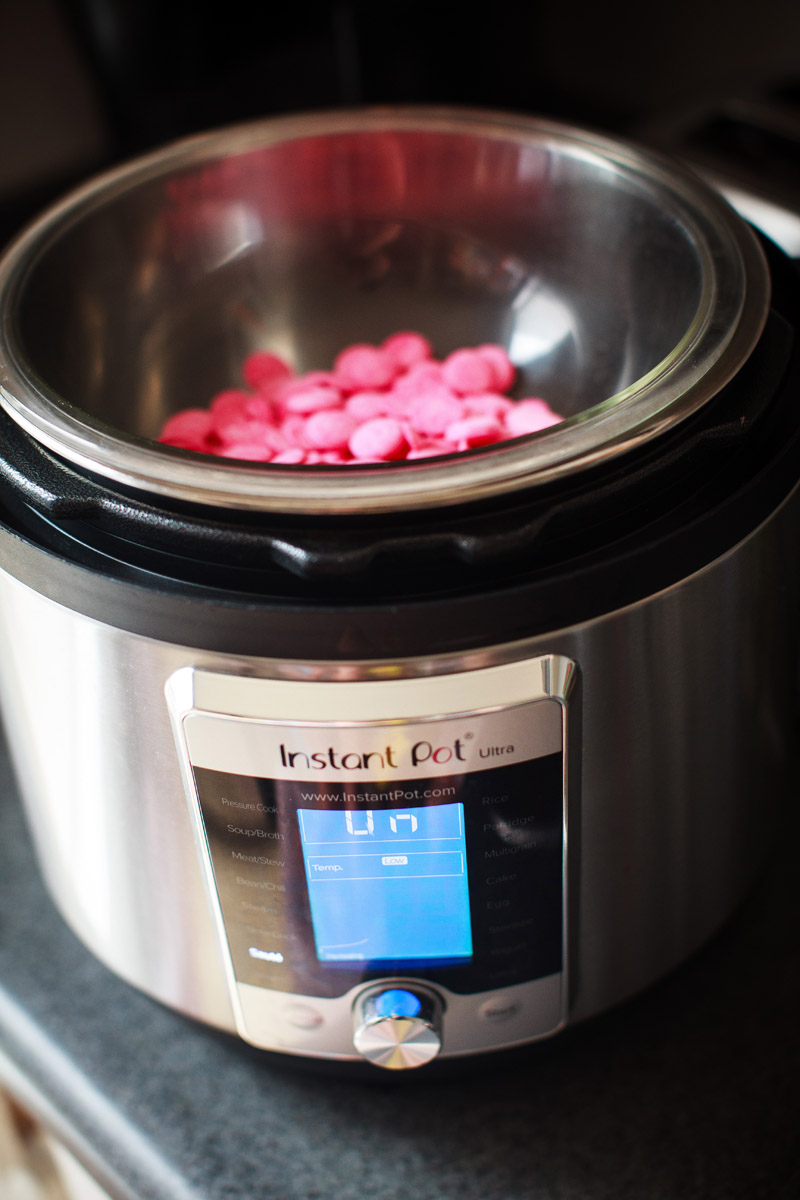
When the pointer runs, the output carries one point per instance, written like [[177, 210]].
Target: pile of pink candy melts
[[382, 403]]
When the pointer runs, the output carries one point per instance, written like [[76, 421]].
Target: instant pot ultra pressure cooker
[[406, 759]]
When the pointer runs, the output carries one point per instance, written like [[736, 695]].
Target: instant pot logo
[[418, 755]]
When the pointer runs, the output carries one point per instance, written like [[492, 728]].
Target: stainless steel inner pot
[[626, 292]]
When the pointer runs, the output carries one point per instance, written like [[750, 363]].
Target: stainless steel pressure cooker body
[[417, 759]]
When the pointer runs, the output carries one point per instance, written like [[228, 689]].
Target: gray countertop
[[690, 1090]]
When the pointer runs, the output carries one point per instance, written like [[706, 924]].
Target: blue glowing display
[[387, 883]]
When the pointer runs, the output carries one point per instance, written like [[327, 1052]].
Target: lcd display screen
[[387, 884]]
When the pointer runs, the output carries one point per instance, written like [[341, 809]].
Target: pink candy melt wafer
[[252, 451], [313, 399], [467, 371], [502, 368], [381, 438], [328, 430], [231, 403], [487, 404], [530, 416], [190, 429], [431, 412], [417, 378], [365, 406], [360, 367], [299, 383], [259, 408], [406, 349], [262, 369], [473, 431]]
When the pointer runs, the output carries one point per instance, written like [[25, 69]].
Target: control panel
[[385, 858]]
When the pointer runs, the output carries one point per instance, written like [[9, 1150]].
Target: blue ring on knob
[[397, 1002]]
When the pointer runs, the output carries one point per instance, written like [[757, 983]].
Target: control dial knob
[[397, 1028]]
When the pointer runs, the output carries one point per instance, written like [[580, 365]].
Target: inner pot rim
[[723, 332]]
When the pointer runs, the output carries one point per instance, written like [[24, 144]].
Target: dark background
[[86, 83]]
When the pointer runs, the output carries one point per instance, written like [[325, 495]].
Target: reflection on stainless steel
[[747, 148], [780, 224], [627, 291]]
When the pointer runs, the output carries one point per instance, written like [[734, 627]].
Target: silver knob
[[396, 1028]]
